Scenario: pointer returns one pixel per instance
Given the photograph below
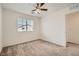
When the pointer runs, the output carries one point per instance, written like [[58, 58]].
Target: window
[[24, 25]]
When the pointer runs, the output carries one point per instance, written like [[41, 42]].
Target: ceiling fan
[[39, 7]]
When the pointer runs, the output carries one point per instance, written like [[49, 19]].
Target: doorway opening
[[72, 28]]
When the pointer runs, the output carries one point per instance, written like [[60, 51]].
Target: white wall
[[0, 28], [10, 34], [53, 28]]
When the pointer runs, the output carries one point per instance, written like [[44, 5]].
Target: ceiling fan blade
[[43, 9], [41, 4], [37, 5], [34, 10]]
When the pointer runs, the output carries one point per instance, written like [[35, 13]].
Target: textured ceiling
[[26, 8]]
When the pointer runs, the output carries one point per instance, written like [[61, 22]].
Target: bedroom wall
[[10, 34], [0, 28], [53, 28]]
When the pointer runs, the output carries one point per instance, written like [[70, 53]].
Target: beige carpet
[[41, 48]]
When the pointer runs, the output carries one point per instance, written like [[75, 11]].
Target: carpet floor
[[40, 48]]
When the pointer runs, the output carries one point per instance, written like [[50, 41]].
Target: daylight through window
[[24, 24]]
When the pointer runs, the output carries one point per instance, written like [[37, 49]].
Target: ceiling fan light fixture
[[39, 8], [37, 11]]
